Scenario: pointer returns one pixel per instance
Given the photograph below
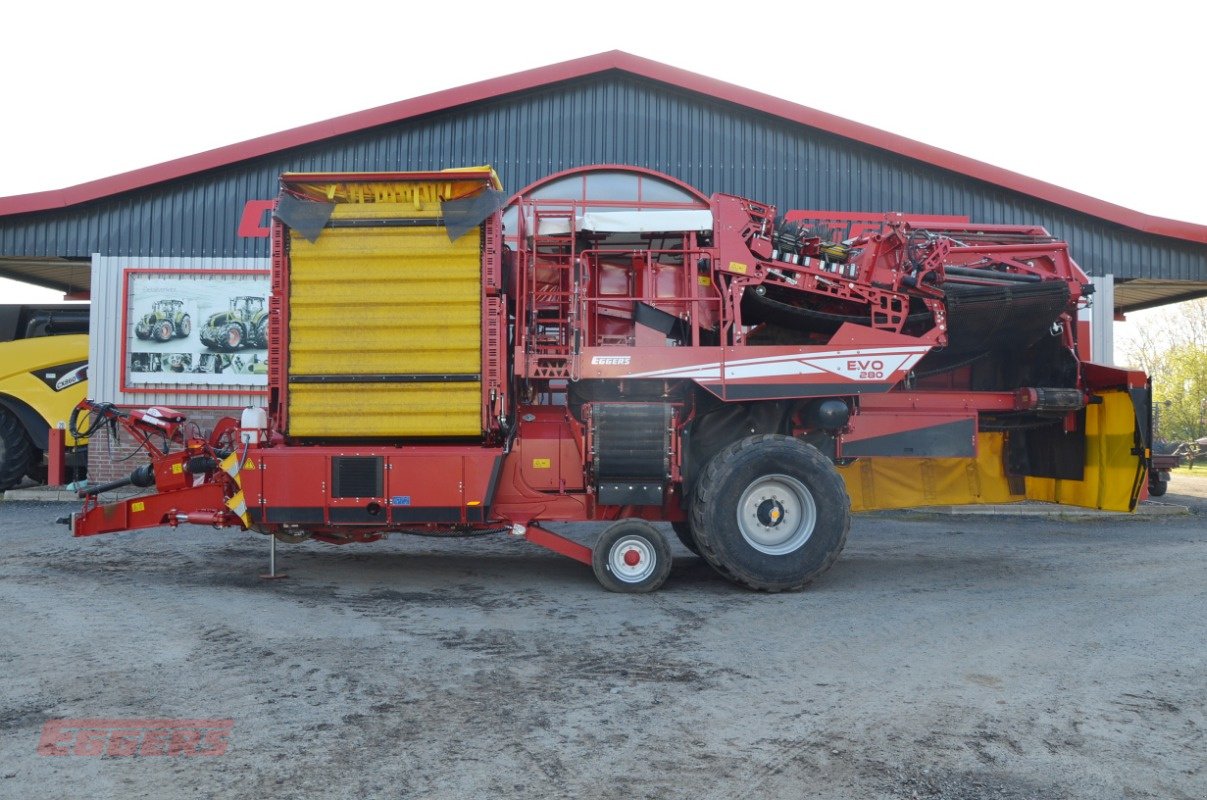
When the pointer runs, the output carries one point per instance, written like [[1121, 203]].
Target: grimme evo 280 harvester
[[736, 376]]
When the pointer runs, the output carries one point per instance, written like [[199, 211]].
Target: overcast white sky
[[1102, 97]]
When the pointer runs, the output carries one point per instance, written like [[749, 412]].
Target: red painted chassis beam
[[558, 544], [204, 504], [941, 401]]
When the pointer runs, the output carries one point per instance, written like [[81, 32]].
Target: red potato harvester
[[730, 373]]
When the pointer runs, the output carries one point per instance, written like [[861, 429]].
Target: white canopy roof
[[662, 221]]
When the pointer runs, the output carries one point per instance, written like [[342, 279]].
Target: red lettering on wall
[[252, 225]]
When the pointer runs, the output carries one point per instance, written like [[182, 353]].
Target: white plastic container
[[253, 425]]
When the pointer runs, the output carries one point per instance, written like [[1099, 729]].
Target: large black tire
[[1157, 487], [17, 452], [771, 513], [38, 471], [683, 530], [631, 556], [163, 331], [184, 327], [261, 338]]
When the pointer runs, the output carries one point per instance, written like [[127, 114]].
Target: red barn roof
[[613, 60]]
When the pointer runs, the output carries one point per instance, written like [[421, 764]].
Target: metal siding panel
[[610, 117], [1102, 317], [105, 369]]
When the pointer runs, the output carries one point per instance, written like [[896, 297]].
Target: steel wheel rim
[[777, 515], [632, 573]]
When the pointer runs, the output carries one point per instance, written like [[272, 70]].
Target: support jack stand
[[272, 574]]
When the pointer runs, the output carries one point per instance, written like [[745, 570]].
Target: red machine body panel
[[327, 486]]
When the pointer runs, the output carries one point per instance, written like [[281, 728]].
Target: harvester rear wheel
[[771, 513], [683, 530], [631, 556]]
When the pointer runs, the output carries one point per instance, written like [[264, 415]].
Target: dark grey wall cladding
[[606, 118]]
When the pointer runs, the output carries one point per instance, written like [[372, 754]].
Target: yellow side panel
[[385, 301], [421, 196], [880, 483], [1110, 471], [371, 410], [1110, 465]]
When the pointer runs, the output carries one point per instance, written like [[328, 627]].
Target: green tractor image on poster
[[244, 324], [166, 320]]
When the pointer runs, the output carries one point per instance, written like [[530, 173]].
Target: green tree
[[1173, 350]]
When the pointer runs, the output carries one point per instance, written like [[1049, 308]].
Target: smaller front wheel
[[631, 556]]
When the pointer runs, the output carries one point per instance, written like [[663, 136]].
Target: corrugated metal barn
[[210, 212]]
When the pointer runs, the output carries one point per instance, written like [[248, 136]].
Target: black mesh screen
[[356, 476]]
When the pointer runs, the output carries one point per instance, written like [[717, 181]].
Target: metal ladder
[[554, 330]]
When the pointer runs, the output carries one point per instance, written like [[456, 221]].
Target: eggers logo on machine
[[135, 737], [611, 361]]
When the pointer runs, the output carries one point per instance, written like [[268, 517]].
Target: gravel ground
[[942, 657]]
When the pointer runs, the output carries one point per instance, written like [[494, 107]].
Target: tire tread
[[16, 451], [709, 483]]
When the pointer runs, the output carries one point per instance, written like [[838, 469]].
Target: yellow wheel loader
[[43, 375]]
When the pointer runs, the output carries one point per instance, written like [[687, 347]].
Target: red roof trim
[[474, 92]]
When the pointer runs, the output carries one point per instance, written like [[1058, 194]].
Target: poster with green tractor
[[200, 328], [244, 324], [166, 320]]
